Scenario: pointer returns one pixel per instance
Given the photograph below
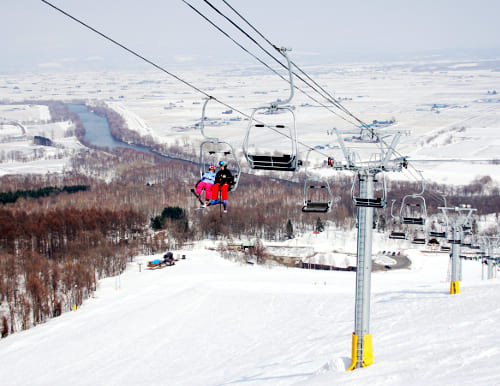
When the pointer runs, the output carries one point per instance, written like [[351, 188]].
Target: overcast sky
[[36, 37]]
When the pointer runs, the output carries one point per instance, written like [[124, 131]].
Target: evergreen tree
[[382, 223], [157, 223], [289, 230], [319, 225]]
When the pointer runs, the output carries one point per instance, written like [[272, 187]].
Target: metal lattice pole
[[490, 261], [455, 256], [362, 351], [456, 218], [364, 355]]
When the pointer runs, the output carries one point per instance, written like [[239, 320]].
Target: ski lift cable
[[268, 53], [145, 59], [165, 70], [263, 63], [438, 198], [139, 56], [420, 178], [328, 96]]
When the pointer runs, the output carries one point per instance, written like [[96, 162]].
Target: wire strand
[[328, 96]]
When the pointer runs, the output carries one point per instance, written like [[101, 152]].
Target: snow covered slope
[[208, 321]]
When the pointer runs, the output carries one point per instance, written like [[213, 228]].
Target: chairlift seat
[[285, 162], [445, 248], [369, 202], [437, 234], [418, 241], [397, 235], [316, 207], [413, 220]]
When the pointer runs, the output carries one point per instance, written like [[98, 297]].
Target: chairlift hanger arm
[[202, 123], [276, 103]]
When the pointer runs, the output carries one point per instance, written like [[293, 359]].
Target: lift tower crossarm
[[390, 151]]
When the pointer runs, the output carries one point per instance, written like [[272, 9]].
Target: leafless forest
[[54, 248]]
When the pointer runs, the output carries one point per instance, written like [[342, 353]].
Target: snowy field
[[449, 109], [209, 321]]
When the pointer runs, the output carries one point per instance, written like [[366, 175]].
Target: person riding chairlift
[[207, 182], [224, 181]]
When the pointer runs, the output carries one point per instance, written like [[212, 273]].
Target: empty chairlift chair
[[260, 161], [396, 234], [413, 209], [436, 234], [419, 239], [413, 213], [373, 202], [318, 196], [285, 134]]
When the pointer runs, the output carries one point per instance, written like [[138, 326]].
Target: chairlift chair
[[413, 213], [466, 240], [285, 162], [413, 209], [264, 161], [439, 228], [213, 150], [398, 235], [419, 236], [440, 235], [418, 240], [375, 202], [320, 203]]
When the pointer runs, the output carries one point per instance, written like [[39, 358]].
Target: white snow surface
[[210, 321], [449, 110]]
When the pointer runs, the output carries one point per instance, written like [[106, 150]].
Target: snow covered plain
[[450, 108], [209, 321]]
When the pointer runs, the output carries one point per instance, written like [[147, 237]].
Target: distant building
[[42, 141]]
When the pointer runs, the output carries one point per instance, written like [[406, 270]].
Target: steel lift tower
[[456, 218], [490, 243], [364, 198]]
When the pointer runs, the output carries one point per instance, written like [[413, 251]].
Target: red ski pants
[[215, 191]]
